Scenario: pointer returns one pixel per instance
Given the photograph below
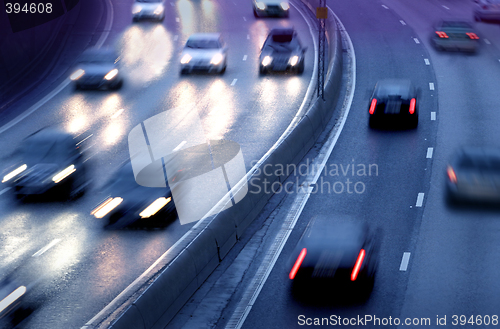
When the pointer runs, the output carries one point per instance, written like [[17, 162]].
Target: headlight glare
[[217, 59], [14, 173], [63, 174], [267, 60], [136, 9], [77, 74], [106, 207], [158, 10], [294, 60], [284, 5], [111, 75], [260, 5], [154, 207], [185, 59]]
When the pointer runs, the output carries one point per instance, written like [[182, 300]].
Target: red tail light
[[372, 106], [359, 261], [412, 105], [473, 36], [297, 264], [451, 175], [442, 34]]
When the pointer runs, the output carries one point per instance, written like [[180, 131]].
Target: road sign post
[[321, 15]]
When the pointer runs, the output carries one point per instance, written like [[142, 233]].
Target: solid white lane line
[[252, 292], [431, 85], [416, 41], [178, 147], [430, 150], [446, 7], [404, 261], [4, 190], [234, 82], [427, 61], [402, 22], [487, 41], [420, 200], [47, 247], [385, 6], [433, 116], [245, 57]]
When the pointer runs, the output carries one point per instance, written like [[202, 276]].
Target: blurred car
[[50, 163], [282, 51], [474, 175], [337, 253], [128, 203], [97, 68], [148, 9], [487, 10], [12, 294], [271, 8], [455, 35], [393, 102], [204, 52]]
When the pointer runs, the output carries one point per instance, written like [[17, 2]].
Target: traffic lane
[[389, 199], [77, 123]]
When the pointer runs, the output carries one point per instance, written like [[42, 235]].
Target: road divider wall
[[162, 297]]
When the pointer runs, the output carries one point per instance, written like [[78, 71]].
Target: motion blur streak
[[356, 268], [154, 207], [12, 297], [297, 264], [63, 174], [14, 173]]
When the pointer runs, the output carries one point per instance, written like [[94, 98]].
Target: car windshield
[[202, 44], [98, 58], [456, 25]]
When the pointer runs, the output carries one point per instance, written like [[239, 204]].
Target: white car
[[148, 9], [204, 52], [271, 8]]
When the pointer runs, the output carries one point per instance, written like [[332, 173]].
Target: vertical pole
[[321, 52]]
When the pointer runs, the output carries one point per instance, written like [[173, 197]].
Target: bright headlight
[[14, 173], [159, 10], [105, 207], [284, 5], [77, 74], [294, 60], [185, 59], [260, 5], [267, 60], [136, 9], [155, 207], [216, 59], [12, 297], [111, 74], [63, 174]]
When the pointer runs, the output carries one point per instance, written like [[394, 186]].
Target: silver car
[[148, 9], [204, 52], [487, 10], [97, 68], [271, 8]]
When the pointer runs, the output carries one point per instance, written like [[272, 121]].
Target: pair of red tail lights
[[443, 35], [411, 110], [302, 255]]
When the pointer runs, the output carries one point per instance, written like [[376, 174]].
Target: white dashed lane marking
[[234, 82], [430, 150], [431, 85], [244, 18], [487, 41], [178, 147], [385, 6], [47, 247], [446, 7], [420, 200], [416, 41], [427, 61], [433, 116], [402, 22], [404, 261], [245, 57]]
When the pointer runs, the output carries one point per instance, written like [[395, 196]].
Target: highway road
[[81, 266], [437, 262]]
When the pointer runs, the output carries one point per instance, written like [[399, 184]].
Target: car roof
[[204, 36], [336, 232], [394, 87]]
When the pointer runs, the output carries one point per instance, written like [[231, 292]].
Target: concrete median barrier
[[180, 278]]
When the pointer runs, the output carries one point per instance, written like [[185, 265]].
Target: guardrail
[[191, 262]]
